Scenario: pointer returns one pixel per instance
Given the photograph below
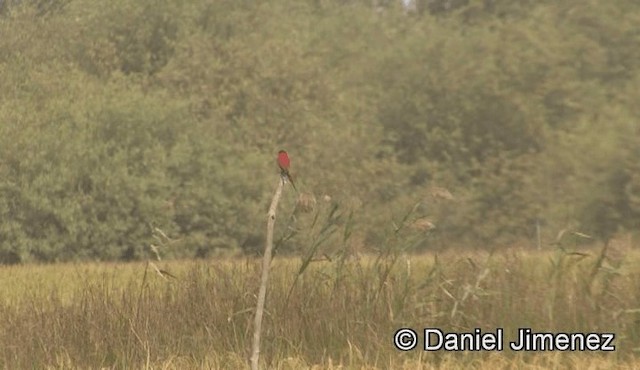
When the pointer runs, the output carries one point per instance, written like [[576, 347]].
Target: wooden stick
[[266, 265]]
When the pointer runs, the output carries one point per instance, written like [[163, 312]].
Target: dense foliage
[[130, 123]]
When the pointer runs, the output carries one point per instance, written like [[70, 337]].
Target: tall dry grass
[[331, 316]]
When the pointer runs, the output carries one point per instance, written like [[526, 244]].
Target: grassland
[[338, 315]]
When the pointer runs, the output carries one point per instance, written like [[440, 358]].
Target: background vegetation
[[123, 121]]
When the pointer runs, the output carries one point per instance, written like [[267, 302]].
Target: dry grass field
[[336, 315]]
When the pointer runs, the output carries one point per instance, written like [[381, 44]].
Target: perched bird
[[284, 163]]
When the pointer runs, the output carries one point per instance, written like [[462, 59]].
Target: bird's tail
[[291, 181], [286, 175]]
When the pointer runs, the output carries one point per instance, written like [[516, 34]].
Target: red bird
[[284, 163]]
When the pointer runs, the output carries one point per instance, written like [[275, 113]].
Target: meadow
[[134, 124], [338, 314]]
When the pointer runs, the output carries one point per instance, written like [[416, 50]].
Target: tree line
[[127, 124]]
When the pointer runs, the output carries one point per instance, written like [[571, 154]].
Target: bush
[[127, 120]]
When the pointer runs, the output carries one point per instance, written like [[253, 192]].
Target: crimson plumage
[[284, 163]]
